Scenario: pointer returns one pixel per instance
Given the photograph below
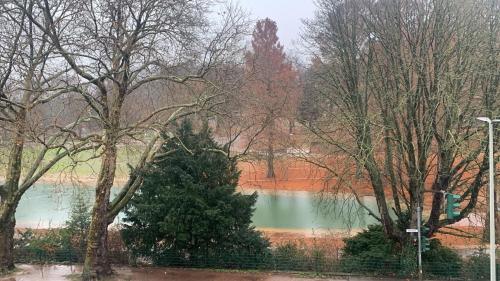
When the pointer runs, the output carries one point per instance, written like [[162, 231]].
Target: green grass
[[84, 164]]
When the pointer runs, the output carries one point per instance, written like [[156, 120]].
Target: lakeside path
[[65, 272]]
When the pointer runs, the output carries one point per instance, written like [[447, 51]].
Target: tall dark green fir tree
[[188, 209]]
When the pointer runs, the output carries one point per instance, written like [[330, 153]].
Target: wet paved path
[[61, 273]]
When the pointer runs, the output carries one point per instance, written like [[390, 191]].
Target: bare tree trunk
[[7, 244], [378, 190], [270, 152], [270, 161], [96, 258], [8, 203]]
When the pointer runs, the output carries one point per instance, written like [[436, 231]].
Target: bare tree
[[404, 81], [28, 82], [118, 48]]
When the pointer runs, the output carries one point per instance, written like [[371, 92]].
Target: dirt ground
[[65, 272], [332, 242]]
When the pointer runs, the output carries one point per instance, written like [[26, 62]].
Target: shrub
[[441, 261], [288, 256], [65, 244], [477, 267], [42, 247], [370, 251]]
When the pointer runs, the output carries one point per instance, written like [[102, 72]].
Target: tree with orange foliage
[[273, 88]]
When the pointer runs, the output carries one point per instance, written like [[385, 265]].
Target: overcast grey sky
[[286, 13]]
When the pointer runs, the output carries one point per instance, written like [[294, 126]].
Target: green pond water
[[49, 206]]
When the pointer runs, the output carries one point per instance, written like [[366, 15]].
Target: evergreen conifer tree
[[188, 208]]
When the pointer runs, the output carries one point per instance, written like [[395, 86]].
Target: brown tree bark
[[96, 258], [270, 151], [9, 201], [270, 161], [7, 244]]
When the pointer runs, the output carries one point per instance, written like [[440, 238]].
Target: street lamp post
[[491, 195]]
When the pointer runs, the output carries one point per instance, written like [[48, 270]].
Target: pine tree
[[188, 206], [74, 234]]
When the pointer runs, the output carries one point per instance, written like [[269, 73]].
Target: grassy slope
[[85, 164]]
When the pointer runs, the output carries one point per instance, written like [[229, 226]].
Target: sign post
[[419, 233]]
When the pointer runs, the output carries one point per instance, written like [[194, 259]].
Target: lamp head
[[484, 119]]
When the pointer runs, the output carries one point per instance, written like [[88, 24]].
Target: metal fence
[[472, 268]]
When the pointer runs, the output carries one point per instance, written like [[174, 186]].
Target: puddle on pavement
[[42, 272], [61, 273]]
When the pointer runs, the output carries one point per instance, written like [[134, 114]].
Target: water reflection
[[48, 206], [305, 210]]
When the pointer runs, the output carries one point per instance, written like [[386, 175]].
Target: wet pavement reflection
[[45, 272], [64, 272]]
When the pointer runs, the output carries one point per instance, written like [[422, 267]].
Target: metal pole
[[419, 221], [492, 204], [493, 274]]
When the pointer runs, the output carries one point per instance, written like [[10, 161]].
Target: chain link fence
[[472, 268]]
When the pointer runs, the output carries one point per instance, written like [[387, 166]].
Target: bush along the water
[[288, 256], [311, 258], [41, 247], [372, 252], [188, 212], [66, 244]]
